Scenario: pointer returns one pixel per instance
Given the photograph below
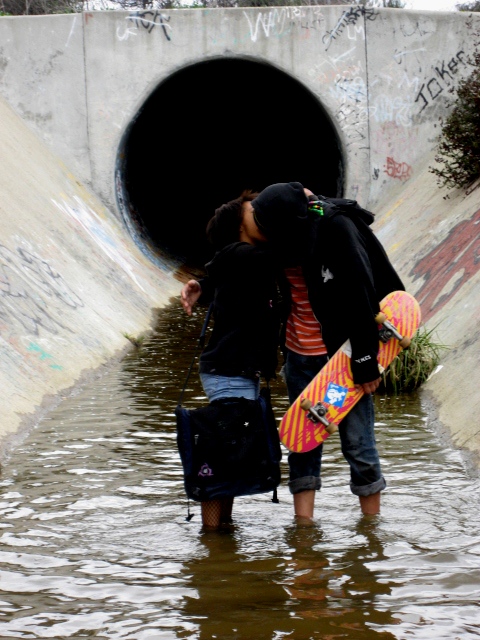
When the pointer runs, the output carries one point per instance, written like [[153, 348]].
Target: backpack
[[229, 448], [329, 207]]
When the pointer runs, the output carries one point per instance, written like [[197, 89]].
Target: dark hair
[[224, 227]]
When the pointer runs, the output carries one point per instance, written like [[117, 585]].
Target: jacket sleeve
[[356, 302]]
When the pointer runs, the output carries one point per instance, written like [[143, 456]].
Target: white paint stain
[[71, 32], [96, 228]]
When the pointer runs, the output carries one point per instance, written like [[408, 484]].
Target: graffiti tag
[[280, 21], [399, 170], [348, 18], [441, 80], [32, 292], [147, 20]]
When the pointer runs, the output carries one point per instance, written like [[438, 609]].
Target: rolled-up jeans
[[356, 432]]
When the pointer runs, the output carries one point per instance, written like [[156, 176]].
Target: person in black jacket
[[333, 281], [243, 344], [334, 273]]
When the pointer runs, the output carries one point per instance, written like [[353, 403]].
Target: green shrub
[[459, 149], [469, 6], [414, 365]]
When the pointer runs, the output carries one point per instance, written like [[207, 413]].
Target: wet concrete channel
[[94, 541]]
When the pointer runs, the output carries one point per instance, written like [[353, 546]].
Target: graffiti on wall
[[280, 21], [448, 266], [441, 80], [349, 18], [43, 356], [350, 93], [32, 292], [146, 20], [399, 56], [398, 109], [398, 170]]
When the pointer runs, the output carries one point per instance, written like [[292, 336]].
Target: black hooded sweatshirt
[[347, 273], [244, 339]]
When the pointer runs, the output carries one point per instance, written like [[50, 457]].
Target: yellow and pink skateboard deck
[[332, 393]]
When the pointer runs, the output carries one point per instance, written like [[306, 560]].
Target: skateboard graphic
[[327, 399]]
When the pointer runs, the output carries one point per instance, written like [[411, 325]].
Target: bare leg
[[304, 504], [370, 505]]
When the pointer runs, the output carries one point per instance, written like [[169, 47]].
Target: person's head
[[280, 209], [234, 221], [281, 213]]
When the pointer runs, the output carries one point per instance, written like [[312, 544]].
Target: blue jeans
[[217, 387], [356, 436]]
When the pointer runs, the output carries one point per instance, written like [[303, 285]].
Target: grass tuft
[[413, 366], [137, 342]]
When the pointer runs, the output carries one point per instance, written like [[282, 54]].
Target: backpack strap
[[200, 345], [330, 207]]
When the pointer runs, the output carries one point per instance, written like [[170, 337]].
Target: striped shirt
[[304, 332]]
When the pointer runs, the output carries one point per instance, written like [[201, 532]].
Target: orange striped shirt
[[304, 332]]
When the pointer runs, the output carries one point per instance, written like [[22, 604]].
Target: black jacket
[[347, 273], [244, 339]]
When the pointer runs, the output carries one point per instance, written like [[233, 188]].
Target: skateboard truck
[[388, 331], [317, 414]]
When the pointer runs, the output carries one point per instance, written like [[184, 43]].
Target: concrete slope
[[71, 281], [432, 235]]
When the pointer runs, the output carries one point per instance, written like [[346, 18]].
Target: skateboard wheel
[[332, 427], [305, 404], [405, 342], [380, 318]]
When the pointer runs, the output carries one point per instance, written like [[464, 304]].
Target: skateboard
[[327, 399]]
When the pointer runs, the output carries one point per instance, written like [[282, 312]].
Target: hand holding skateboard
[[323, 404]]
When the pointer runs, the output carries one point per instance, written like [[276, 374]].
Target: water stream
[[94, 541]]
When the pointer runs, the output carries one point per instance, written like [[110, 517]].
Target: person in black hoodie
[[243, 344], [334, 273]]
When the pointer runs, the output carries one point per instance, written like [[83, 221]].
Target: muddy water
[[94, 542]]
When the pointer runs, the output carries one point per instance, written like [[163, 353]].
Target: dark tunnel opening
[[211, 130]]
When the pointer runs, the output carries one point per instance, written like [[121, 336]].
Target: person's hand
[[189, 295], [370, 387]]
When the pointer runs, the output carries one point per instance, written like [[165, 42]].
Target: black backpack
[[229, 448]]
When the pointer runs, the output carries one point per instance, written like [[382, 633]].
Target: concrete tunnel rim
[[135, 227]]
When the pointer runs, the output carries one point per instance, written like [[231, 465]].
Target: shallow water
[[94, 540]]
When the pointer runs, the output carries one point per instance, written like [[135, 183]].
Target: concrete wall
[[381, 74], [73, 281], [433, 237]]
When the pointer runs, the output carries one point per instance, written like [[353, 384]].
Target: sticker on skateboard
[[335, 395], [323, 404]]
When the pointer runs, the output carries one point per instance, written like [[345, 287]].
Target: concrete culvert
[[211, 130]]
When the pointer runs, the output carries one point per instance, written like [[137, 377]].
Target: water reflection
[[94, 541]]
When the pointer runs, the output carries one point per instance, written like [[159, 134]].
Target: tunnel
[[211, 130]]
